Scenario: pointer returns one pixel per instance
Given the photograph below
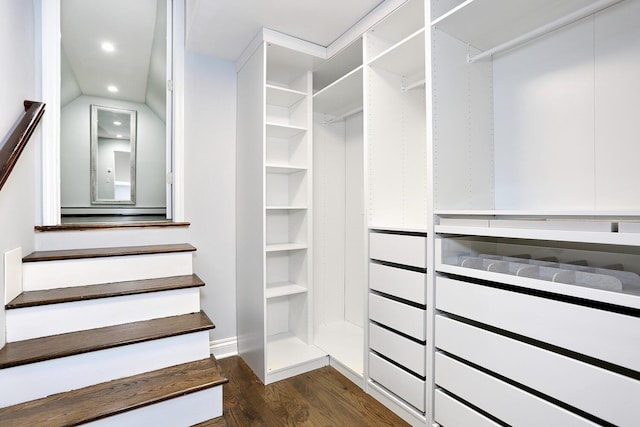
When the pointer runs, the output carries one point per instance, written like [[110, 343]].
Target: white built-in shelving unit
[[274, 222], [533, 215], [339, 225]]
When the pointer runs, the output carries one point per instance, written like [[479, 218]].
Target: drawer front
[[401, 350], [398, 248], [506, 402], [605, 394], [396, 315], [452, 413], [405, 284], [406, 386], [611, 337]]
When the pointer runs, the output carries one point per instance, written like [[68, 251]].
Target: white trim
[[363, 25], [285, 40], [225, 347], [50, 124], [178, 20], [12, 274]]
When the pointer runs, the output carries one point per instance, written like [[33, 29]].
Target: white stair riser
[[40, 321], [37, 380], [181, 411], [79, 272]]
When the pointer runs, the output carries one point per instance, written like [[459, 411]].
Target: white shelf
[[275, 290], [282, 247], [283, 169], [285, 351], [405, 58], [538, 213], [283, 208], [342, 95], [344, 341], [276, 130], [283, 97], [485, 24], [338, 65]]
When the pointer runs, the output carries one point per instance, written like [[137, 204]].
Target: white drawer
[[452, 413], [396, 315], [401, 350], [406, 386], [605, 394], [504, 401], [405, 284], [398, 248], [597, 333]]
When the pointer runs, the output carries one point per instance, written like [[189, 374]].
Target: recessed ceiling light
[[112, 88], [118, 136], [117, 123], [108, 47]]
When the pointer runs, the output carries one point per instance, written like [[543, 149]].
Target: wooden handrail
[[13, 147]]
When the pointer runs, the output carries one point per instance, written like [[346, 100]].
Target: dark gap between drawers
[[529, 390], [396, 265], [613, 308], [398, 232], [472, 406], [627, 372], [397, 365], [398, 299], [402, 334]]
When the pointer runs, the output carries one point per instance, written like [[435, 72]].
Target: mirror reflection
[[114, 59], [113, 155]]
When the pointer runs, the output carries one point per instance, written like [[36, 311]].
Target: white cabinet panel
[[604, 394], [398, 381], [407, 353], [405, 284], [597, 333], [451, 413], [506, 402], [398, 248], [396, 315]]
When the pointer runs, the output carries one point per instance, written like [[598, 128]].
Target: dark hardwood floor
[[319, 398]]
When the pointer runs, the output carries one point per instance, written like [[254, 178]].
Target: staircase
[[110, 336]]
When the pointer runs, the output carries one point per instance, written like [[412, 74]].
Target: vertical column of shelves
[[287, 202]]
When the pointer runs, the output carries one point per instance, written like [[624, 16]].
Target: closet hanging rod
[[413, 85], [547, 28], [344, 116]]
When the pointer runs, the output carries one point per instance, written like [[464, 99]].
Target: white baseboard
[[225, 347]]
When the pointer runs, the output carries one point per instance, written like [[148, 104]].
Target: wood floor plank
[[69, 344], [107, 252], [105, 290], [322, 397], [114, 397]]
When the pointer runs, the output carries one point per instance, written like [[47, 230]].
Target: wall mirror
[[113, 155], [114, 62]]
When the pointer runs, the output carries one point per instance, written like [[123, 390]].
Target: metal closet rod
[[344, 116], [413, 85], [547, 28]]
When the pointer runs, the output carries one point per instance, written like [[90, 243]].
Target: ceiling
[[224, 28]]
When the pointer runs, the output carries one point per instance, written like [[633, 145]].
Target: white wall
[[17, 77], [210, 149], [75, 153]]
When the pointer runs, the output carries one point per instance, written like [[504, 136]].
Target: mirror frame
[[95, 200]]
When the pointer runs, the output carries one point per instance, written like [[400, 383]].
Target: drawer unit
[[404, 351], [452, 413], [396, 315], [604, 335], [602, 393], [398, 381], [401, 283], [398, 248], [504, 401]]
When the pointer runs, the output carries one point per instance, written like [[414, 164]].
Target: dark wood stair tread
[[107, 252], [115, 397], [72, 343], [105, 290]]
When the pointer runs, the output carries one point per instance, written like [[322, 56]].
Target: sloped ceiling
[[224, 28]]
